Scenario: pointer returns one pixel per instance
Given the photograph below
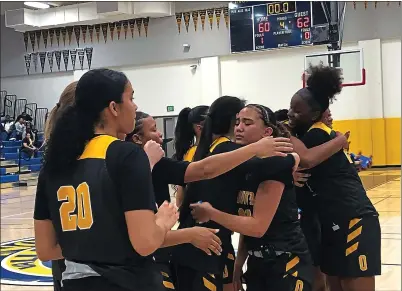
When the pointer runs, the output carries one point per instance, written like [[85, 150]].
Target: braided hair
[[139, 119]]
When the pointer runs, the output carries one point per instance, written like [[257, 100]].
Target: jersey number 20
[[72, 198]]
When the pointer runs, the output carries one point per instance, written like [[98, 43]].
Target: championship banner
[[132, 26], [365, 4], [38, 34], [50, 60], [104, 30], [118, 28], [58, 58], [375, 4], [73, 54], [139, 24], [58, 32], [210, 17], [179, 17], [27, 59], [70, 33], [51, 35], [97, 31], [125, 28], [88, 52], [226, 16], [91, 32], [112, 26], [218, 12], [32, 38], [35, 60], [194, 14], [45, 34], [203, 16], [146, 24], [65, 58], [26, 35], [81, 54], [84, 32], [42, 58], [77, 32], [186, 20], [63, 34]]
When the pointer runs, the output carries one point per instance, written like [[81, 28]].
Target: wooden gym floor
[[384, 190]]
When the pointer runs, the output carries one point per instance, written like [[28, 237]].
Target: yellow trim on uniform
[[354, 234], [231, 257], [208, 284], [351, 249], [353, 222], [168, 285], [189, 156], [97, 147], [321, 125], [292, 263], [225, 272], [165, 274], [295, 274], [217, 142]]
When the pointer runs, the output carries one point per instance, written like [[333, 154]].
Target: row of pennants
[[202, 14], [375, 3], [66, 33], [32, 58]]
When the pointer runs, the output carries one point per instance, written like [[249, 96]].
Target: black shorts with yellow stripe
[[228, 257], [188, 279], [287, 272], [351, 248], [167, 275]]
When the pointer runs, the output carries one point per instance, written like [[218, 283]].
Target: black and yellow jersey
[[87, 210], [221, 193], [284, 233], [189, 156], [340, 192]]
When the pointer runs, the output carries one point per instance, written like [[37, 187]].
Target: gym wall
[[163, 75]]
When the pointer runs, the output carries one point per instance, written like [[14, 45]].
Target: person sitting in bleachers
[[19, 129], [27, 146]]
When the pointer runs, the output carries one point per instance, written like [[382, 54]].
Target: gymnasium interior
[[186, 53]]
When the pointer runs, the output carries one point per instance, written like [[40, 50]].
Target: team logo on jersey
[[21, 266]]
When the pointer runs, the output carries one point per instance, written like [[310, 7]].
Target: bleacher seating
[[16, 168]]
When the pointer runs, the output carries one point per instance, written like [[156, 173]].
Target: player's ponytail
[[183, 134]]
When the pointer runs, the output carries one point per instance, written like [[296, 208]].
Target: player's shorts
[[351, 248], [229, 261], [285, 273], [167, 274], [188, 279], [311, 227]]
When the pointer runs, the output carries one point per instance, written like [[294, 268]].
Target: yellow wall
[[380, 137]]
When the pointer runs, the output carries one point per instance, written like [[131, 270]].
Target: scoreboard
[[268, 25]]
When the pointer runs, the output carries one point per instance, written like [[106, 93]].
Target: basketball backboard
[[349, 61]]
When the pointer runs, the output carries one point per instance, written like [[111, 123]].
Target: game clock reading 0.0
[[270, 25]]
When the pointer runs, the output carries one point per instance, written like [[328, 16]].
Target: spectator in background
[[19, 129], [281, 115], [27, 146]]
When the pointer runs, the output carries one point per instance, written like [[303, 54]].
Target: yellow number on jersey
[[282, 24], [72, 197], [299, 285], [243, 212]]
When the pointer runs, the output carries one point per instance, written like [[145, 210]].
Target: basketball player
[[85, 210], [181, 172], [186, 137], [350, 229], [67, 98], [271, 237], [221, 192]]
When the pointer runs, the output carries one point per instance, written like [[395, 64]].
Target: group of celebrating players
[[103, 212]]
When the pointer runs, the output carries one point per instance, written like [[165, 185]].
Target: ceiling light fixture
[[38, 5]]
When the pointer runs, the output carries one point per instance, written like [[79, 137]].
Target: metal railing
[[2, 100], [40, 119], [19, 107], [9, 105]]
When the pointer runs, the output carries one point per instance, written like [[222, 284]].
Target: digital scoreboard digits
[[270, 25]]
